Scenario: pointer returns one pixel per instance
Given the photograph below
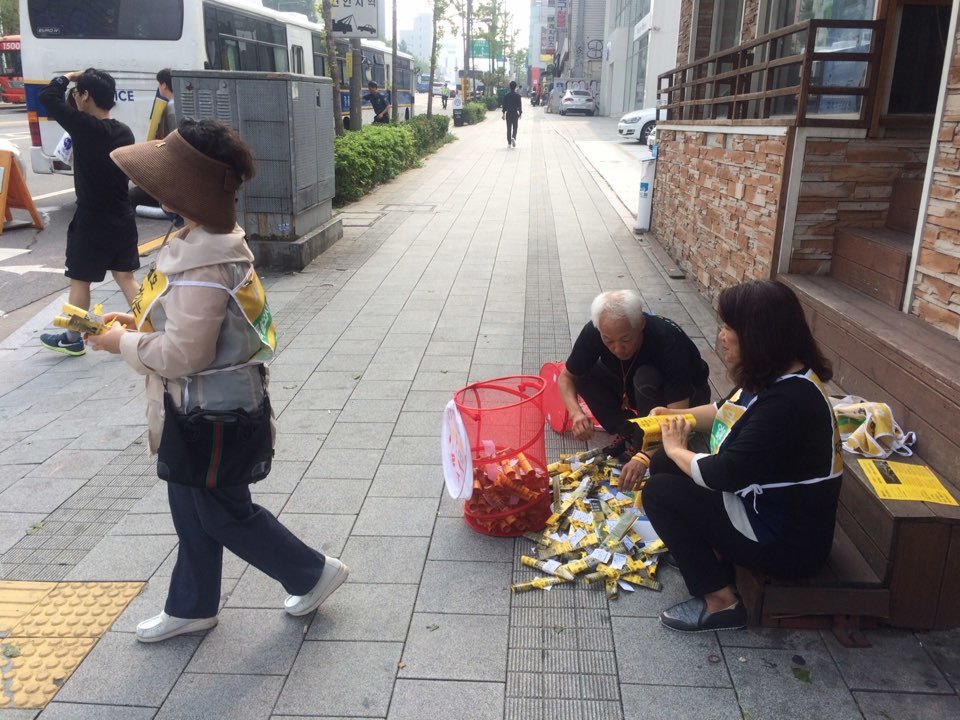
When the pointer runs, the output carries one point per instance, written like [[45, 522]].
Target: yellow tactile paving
[[47, 629], [17, 599]]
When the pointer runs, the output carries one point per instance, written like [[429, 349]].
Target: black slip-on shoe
[[692, 616]]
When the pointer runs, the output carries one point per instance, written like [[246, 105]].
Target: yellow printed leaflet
[[905, 481]]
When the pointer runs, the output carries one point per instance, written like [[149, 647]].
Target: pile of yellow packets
[[596, 533]]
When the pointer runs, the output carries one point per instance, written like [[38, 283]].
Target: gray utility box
[[287, 120]]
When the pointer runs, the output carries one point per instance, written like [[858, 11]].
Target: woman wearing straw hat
[[199, 347]]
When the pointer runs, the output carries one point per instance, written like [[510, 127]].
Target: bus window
[[106, 19], [231, 55], [296, 65], [255, 44], [319, 56]]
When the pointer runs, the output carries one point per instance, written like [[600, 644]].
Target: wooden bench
[[893, 562], [876, 260]]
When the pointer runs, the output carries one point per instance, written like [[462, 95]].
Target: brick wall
[[683, 40], [715, 204], [936, 290], [847, 183], [751, 18]]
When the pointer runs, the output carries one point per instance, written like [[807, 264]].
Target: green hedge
[[429, 133], [491, 102], [378, 153], [474, 112]]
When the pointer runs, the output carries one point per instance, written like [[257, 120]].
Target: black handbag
[[215, 449]]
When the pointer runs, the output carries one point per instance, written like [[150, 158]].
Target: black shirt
[[665, 347], [511, 103], [101, 186], [379, 103], [785, 435]]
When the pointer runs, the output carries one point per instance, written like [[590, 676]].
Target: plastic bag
[[869, 429], [64, 150]]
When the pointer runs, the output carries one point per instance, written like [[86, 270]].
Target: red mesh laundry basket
[[503, 419]]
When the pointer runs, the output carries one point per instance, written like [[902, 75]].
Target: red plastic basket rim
[[534, 380]]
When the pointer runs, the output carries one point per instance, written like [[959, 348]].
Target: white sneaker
[[332, 577], [163, 626]]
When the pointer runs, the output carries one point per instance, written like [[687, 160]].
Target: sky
[[407, 9]]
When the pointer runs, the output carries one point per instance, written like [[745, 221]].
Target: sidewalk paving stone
[[84, 711], [330, 495], [387, 609], [448, 646], [913, 706], [250, 641], [408, 480], [454, 540], [40, 494], [896, 661], [650, 654], [238, 697], [121, 671], [418, 699], [774, 684], [124, 557], [370, 562], [341, 678], [481, 588], [397, 516], [667, 702]]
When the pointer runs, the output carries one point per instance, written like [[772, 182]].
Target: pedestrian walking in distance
[[512, 111]]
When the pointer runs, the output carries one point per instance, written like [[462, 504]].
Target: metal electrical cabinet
[[287, 120]]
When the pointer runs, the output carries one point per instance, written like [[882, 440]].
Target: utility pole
[[393, 69], [356, 85], [467, 60]]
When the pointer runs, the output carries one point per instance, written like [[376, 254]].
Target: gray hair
[[617, 304]]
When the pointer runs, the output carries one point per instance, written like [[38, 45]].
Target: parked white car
[[638, 124], [577, 101]]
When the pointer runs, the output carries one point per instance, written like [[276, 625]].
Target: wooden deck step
[[874, 261]]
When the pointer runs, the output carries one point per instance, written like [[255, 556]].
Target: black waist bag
[[214, 449]]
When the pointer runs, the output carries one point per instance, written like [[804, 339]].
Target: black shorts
[[100, 241]]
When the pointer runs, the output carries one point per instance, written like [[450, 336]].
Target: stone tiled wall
[[847, 183], [751, 17], [715, 204], [686, 26], [936, 290]]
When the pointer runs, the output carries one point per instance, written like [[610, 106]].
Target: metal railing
[[814, 73]]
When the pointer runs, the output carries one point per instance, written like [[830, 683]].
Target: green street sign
[[481, 48]]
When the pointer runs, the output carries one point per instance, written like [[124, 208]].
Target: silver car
[[577, 101]]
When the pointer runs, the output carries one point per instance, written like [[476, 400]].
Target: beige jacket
[[197, 329]]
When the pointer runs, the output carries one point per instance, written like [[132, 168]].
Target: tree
[[496, 31], [333, 65], [441, 21], [10, 17]]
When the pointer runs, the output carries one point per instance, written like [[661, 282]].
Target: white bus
[[133, 39]]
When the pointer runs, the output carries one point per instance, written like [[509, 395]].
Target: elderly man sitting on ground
[[626, 362]]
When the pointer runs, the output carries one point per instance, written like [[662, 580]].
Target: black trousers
[[513, 122], [694, 524], [208, 521], [603, 392]]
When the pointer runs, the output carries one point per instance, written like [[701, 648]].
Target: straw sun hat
[[183, 179]]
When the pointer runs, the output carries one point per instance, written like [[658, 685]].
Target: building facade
[[640, 41]]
